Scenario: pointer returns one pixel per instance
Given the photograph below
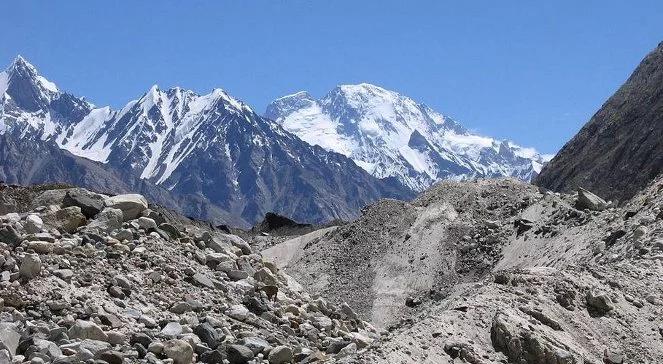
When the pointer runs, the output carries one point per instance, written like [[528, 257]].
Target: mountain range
[[213, 157], [391, 135]]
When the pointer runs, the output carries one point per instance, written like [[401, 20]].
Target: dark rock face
[[619, 151]]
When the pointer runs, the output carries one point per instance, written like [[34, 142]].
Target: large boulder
[[67, 219], [107, 220], [89, 202], [589, 201], [132, 205], [523, 344], [9, 337]]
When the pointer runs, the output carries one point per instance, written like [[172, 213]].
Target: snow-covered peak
[[20, 67], [22, 83], [391, 135]]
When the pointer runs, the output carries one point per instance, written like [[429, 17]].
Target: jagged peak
[[21, 67]]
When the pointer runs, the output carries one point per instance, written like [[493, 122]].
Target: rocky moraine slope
[[91, 278]]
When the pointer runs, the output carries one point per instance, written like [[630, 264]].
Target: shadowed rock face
[[618, 151]]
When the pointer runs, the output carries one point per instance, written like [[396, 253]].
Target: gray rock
[[48, 348], [33, 224], [9, 235], [598, 302], [590, 201], [208, 335], [67, 219], [265, 276], [132, 205], [239, 354], [280, 355], [30, 266], [202, 280], [146, 223], [86, 330], [178, 350], [9, 337], [238, 312], [108, 219], [256, 344], [172, 329]]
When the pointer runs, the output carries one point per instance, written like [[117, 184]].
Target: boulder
[[589, 201], [172, 329], [598, 302], [238, 312], [9, 337], [90, 203], [132, 205], [521, 345], [9, 235], [105, 221], [30, 266], [265, 276], [208, 335], [256, 344], [146, 223], [33, 224], [280, 355], [86, 330], [239, 354], [178, 350], [67, 219]]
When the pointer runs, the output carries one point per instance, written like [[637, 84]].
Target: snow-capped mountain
[[212, 152], [391, 135]]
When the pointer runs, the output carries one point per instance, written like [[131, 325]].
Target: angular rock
[[90, 203], [280, 355], [106, 220], [172, 329], [86, 330], [208, 335], [589, 201], [239, 354], [67, 219], [30, 266], [33, 224], [9, 337], [598, 302]]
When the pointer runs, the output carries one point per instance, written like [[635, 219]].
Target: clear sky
[[530, 71]]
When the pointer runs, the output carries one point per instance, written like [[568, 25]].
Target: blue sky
[[533, 72]]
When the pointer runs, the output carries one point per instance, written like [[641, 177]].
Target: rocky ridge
[[618, 152], [86, 277]]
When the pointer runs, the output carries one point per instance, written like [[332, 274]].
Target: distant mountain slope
[[390, 135], [620, 150], [211, 151]]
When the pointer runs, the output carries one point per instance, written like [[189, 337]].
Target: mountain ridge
[[375, 127], [212, 148]]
